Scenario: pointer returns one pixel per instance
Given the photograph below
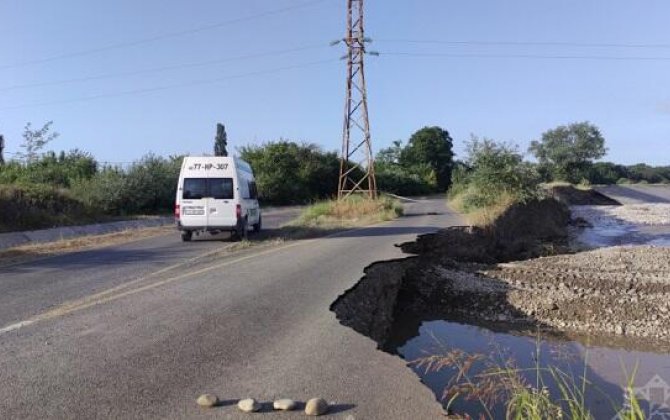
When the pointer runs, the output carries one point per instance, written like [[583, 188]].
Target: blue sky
[[492, 90]]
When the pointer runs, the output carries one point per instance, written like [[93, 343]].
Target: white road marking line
[[109, 296], [16, 326]]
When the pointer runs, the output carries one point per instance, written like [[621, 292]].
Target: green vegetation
[[353, 211], [221, 141], [493, 177], [71, 189], [567, 152], [423, 166], [498, 385], [290, 173], [49, 189]]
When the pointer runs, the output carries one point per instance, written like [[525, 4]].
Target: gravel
[[619, 291], [651, 214]]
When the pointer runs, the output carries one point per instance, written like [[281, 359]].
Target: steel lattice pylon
[[357, 170]]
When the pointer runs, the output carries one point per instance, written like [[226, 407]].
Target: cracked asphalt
[[140, 330]]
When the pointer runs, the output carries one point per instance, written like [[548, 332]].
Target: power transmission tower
[[357, 169]]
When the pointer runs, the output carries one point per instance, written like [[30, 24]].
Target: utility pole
[[357, 169], [2, 150]]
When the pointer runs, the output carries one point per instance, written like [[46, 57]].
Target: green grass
[[493, 383], [349, 212], [484, 215]]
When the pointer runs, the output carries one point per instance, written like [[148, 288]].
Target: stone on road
[[284, 405], [316, 407], [207, 400], [249, 405], [146, 339]]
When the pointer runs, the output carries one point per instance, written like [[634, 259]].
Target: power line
[[173, 86], [163, 36], [523, 43], [158, 69], [528, 56]]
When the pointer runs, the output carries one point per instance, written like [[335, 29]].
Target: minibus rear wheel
[[186, 235]]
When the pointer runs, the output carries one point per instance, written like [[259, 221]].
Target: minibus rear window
[[218, 188], [195, 188], [221, 188]]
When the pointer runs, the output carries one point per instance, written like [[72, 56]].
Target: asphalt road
[[140, 330], [637, 194]]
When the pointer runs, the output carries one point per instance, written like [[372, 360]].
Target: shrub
[[38, 206], [497, 174], [51, 169], [350, 212], [288, 173], [397, 180], [147, 187], [104, 193]]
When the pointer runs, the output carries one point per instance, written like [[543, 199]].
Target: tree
[[494, 171], [2, 150], [389, 155], [430, 147], [569, 150], [35, 140], [288, 172], [221, 141]]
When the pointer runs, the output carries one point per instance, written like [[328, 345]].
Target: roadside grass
[[29, 252], [350, 212], [317, 220], [482, 216], [581, 186], [498, 386]]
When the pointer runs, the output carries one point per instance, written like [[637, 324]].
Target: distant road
[[140, 330], [637, 194]]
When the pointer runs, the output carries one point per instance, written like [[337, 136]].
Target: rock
[[551, 306], [207, 400], [249, 405], [316, 407], [620, 329], [284, 405]]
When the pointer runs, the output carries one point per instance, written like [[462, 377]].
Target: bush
[[51, 169], [104, 193], [397, 180], [290, 173], [494, 173], [147, 187], [351, 211], [38, 206]]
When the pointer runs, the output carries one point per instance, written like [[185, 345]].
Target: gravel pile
[[655, 214], [623, 291]]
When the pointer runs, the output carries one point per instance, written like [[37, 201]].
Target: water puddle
[[609, 230], [605, 368]]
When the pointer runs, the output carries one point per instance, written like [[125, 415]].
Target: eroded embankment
[[465, 274]]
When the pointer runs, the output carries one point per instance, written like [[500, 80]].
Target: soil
[[620, 291], [519, 274]]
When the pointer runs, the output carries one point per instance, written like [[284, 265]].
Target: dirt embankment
[[466, 274], [572, 196]]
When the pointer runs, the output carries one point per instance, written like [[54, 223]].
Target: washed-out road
[[140, 330]]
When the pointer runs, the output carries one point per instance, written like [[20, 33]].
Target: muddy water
[[623, 234], [627, 225], [603, 367]]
